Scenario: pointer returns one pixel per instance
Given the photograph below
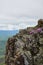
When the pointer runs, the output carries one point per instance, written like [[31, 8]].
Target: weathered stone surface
[[24, 48]]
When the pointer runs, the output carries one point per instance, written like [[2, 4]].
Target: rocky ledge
[[26, 47]]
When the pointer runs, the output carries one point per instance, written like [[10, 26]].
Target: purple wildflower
[[33, 31], [39, 29]]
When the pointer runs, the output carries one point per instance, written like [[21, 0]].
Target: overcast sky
[[16, 14]]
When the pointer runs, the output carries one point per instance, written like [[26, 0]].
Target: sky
[[19, 14]]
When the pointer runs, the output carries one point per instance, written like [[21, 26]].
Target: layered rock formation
[[26, 47]]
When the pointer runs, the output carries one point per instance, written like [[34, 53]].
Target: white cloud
[[17, 20], [18, 23], [15, 27], [18, 14]]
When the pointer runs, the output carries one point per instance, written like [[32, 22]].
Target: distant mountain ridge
[[5, 34]]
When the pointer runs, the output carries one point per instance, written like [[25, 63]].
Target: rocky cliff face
[[26, 47]]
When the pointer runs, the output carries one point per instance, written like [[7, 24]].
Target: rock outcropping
[[26, 47]]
